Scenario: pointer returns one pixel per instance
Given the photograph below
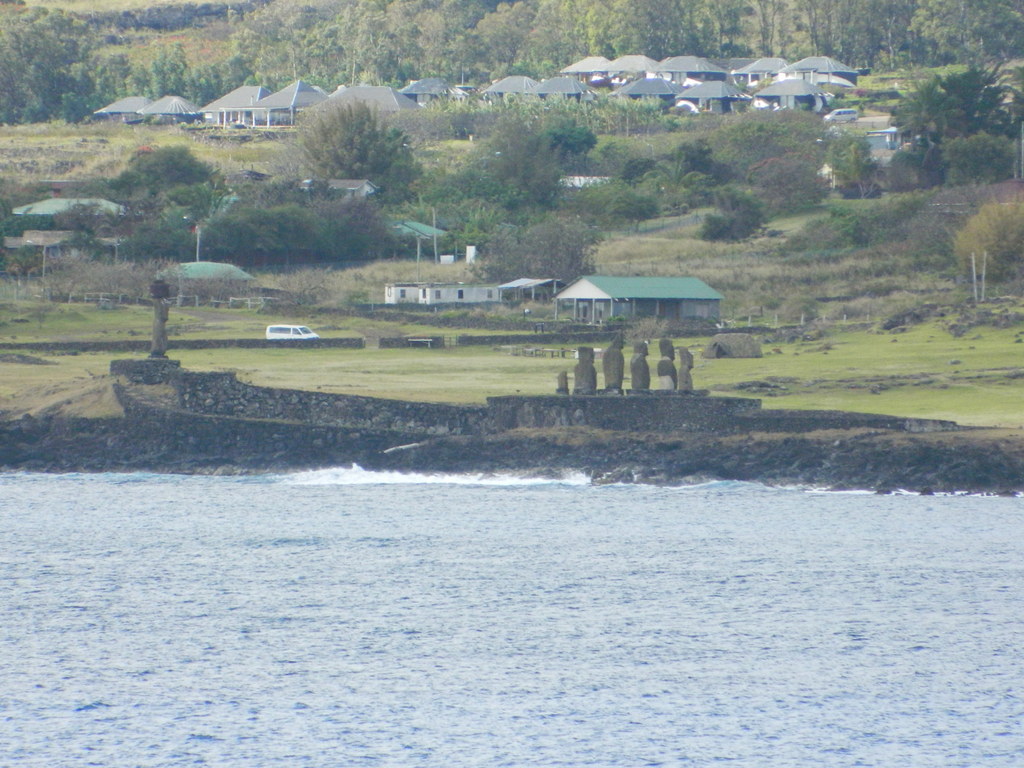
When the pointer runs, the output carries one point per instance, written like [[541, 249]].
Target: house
[[513, 85], [236, 107], [649, 88], [713, 96], [764, 69], [126, 109], [820, 69], [379, 97], [348, 187], [791, 94], [631, 66], [431, 89], [592, 70], [565, 88], [596, 298], [534, 289], [439, 293], [281, 107], [690, 70], [172, 109]]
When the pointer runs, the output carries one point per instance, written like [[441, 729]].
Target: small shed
[[596, 298], [732, 345], [534, 289]]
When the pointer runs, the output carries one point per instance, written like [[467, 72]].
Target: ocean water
[[348, 618]]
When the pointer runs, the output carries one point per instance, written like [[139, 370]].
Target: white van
[[290, 332], [841, 116]]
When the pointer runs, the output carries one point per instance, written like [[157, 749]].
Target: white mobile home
[[439, 293]]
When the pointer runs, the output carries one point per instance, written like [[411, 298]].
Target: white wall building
[[439, 293]]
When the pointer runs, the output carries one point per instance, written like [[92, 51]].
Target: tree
[[352, 230], [155, 170], [517, 167], [788, 183], [853, 168], [740, 214], [555, 248], [282, 235], [978, 159], [352, 141], [995, 235]]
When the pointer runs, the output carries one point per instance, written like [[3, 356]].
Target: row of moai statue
[[613, 366]]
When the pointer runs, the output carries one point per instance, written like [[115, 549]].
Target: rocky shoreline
[[974, 461]]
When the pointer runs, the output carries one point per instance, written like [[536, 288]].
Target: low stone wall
[[538, 339], [652, 412], [223, 395], [143, 345]]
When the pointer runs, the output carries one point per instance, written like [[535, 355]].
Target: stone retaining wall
[[223, 395]]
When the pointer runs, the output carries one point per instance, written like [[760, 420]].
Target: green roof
[[54, 205], [653, 287], [417, 229]]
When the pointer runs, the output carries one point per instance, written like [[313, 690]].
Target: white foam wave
[[356, 475]]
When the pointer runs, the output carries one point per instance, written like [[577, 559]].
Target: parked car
[[290, 332], [841, 116]]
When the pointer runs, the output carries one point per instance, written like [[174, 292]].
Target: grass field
[[977, 379]]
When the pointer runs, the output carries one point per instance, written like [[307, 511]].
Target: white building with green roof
[[596, 298]]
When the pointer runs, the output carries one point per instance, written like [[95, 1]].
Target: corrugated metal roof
[[54, 205], [650, 287]]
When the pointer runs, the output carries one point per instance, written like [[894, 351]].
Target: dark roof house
[[648, 88], [681, 69], [513, 85], [236, 107], [564, 87], [713, 96], [124, 109], [379, 97], [431, 89], [174, 108], [281, 107], [792, 94], [821, 69]]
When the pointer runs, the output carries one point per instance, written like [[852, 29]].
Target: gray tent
[[732, 345]]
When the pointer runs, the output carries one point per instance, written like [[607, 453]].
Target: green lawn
[[924, 372]]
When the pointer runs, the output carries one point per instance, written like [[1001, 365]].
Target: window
[[437, 294], [460, 293], [490, 294], [423, 293], [401, 293]]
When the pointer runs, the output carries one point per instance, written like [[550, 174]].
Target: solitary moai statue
[[639, 370], [667, 379], [613, 366], [563, 383], [585, 374], [158, 291], [685, 366]]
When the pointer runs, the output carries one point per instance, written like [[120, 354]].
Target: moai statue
[[667, 379], [613, 366], [639, 370], [685, 366], [563, 383], [585, 374], [158, 292]]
